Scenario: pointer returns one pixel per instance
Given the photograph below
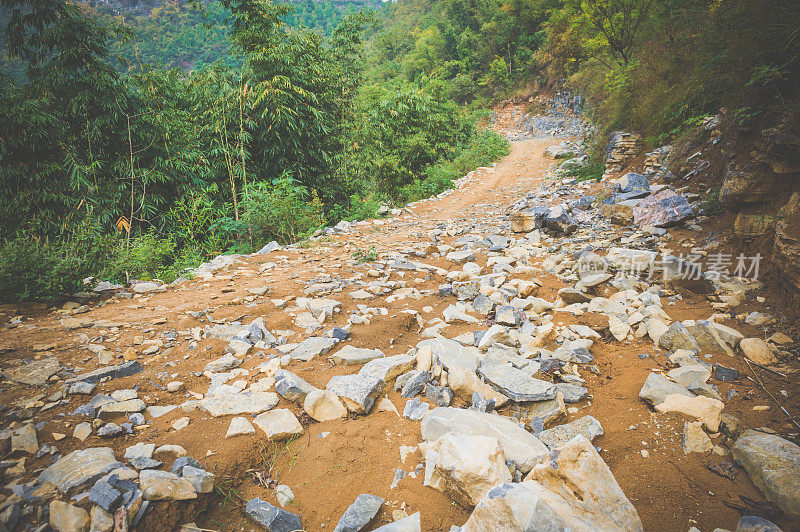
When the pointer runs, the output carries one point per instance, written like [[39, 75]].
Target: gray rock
[[461, 256], [246, 402], [359, 514], [657, 387], [508, 315], [407, 524], [183, 461], [159, 485], [519, 445], [481, 404], [752, 523], [312, 347], [572, 392], [587, 426], [223, 364], [440, 395], [271, 517], [35, 373], [105, 496], [662, 209], [773, 465], [200, 479], [415, 410], [350, 355], [414, 384], [358, 392], [291, 387], [451, 353], [109, 430], [110, 372], [79, 468], [389, 368], [633, 181], [516, 384], [140, 463]]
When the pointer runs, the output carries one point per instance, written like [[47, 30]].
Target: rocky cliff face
[[761, 185]]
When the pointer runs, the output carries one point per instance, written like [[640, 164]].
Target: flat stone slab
[[312, 347], [516, 384], [411, 523], [451, 353], [359, 514], [519, 445], [657, 387], [279, 424], [351, 356], [157, 485], [587, 426], [239, 403], [388, 368], [291, 387], [358, 392], [80, 467], [773, 465], [111, 372], [35, 373], [271, 517]]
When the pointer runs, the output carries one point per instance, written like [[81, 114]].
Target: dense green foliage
[[133, 170]]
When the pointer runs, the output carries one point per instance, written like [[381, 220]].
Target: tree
[[618, 21]]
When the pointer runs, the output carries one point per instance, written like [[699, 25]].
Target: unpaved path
[[335, 461]]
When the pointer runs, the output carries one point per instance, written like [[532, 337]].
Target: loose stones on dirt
[[160, 485], [68, 518], [324, 405], [279, 424], [575, 490], [758, 351], [290, 386], [519, 445], [657, 387], [271, 517], [773, 465], [80, 467], [358, 392], [516, 384], [465, 467], [240, 403], [586, 426], [350, 355], [359, 514]]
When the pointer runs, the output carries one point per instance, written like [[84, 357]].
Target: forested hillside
[[140, 144]]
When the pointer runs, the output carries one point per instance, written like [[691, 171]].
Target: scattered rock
[[773, 465]]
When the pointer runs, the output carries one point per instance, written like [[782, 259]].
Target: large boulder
[[516, 384], [662, 209], [657, 387], [465, 467], [773, 464], [519, 445], [575, 491]]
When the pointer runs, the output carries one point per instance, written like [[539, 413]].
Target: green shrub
[[282, 211], [482, 149], [144, 257]]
